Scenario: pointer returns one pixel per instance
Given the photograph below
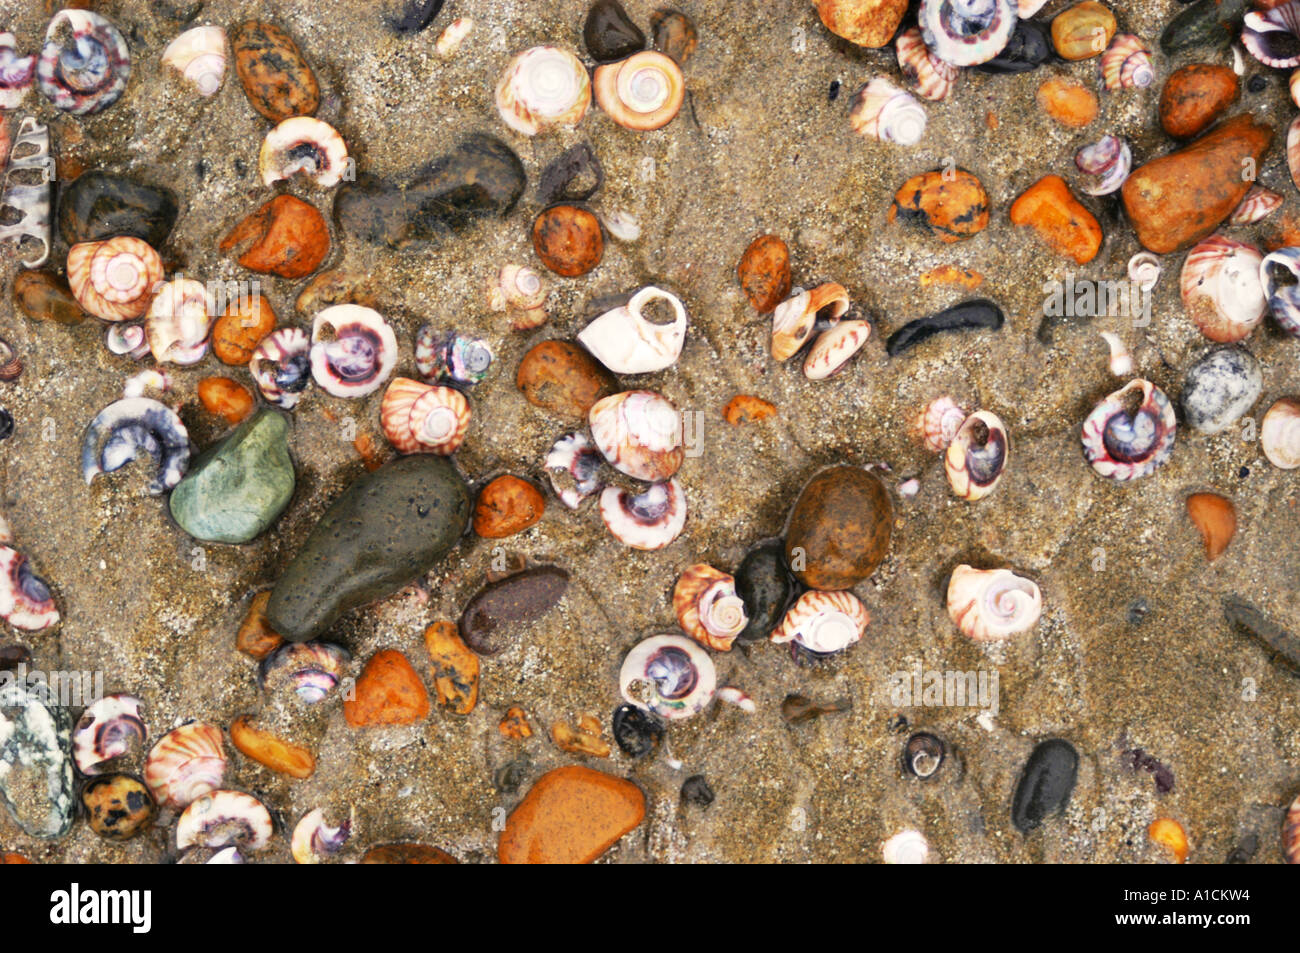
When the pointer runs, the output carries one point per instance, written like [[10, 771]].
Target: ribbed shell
[[1258, 204], [1221, 289], [186, 763], [883, 111], [225, 818], [990, 605], [939, 423], [639, 432], [1126, 64], [707, 607], [807, 620], [114, 279], [528, 109], [924, 72], [408, 411]]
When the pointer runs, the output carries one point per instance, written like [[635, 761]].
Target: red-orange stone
[[389, 692], [285, 237], [572, 815], [506, 506], [1052, 210]]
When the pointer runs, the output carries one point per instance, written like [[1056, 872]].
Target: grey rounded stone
[[1220, 388]]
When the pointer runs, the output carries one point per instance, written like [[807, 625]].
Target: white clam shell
[[1279, 434], [625, 342], [990, 605]]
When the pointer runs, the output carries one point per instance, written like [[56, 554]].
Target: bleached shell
[[1221, 290], [147, 380], [517, 287], [1282, 293], [353, 350], [1258, 204], [794, 318], [31, 607], [990, 605], [834, 348], [1261, 28], [114, 279], [1126, 64], [707, 607], [669, 675], [639, 432], [280, 348], [179, 320], [1027, 8], [224, 818], [186, 763], [621, 224], [1121, 360], [883, 111], [974, 470], [424, 418], [649, 520], [924, 72], [643, 92], [307, 145], [1123, 448], [939, 423], [16, 73], [127, 339], [450, 39], [573, 464], [1279, 434], [107, 730], [906, 847], [313, 839], [199, 55], [824, 622], [625, 342], [1144, 270], [967, 32], [543, 87]]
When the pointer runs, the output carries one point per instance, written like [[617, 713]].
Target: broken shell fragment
[[178, 322], [977, 456], [1107, 163], [1221, 289], [543, 87], [450, 39], [224, 819], [84, 64], [1279, 273], [281, 366], [643, 92], [707, 607], [649, 520], [669, 675], [627, 343], [1279, 434], [1121, 361], [883, 111], [1258, 204], [107, 731], [309, 670], [1273, 36], [307, 145], [314, 840], [353, 350], [794, 319], [186, 763], [1216, 519], [834, 348], [114, 279], [26, 601], [990, 605], [573, 465], [424, 418], [639, 433], [823, 623], [923, 71], [199, 55], [27, 201], [133, 426], [1123, 444]]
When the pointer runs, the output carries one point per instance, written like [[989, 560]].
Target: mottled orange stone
[[744, 409], [952, 275], [571, 815], [285, 237], [1195, 96], [455, 668], [226, 398], [1052, 210], [1167, 831], [764, 272], [235, 335], [950, 204], [389, 692], [515, 725]]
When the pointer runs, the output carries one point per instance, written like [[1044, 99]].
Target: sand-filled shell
[[883, 111], [276, 78], [84, 65], [643, 92], [199, 55], [424, 418], [353, 350], [1221, 289], [115, 279], [281, 366], [977, 456], [1126, 445], [186, 763], [302, 144], [951, 205], [990, 605], [823, 623], [640, 433], [225, 819], [707, 607], [1279, 434], [795, 318], [669, 675], [541, 88]]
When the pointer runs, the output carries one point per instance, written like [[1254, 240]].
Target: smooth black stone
[[1030, 47], [609, 32], [766, 586], [482, 176], [636, 730], [1257, 83], [413, 15], [573, 177], [1045, 784], [1204, 23], [977, 313], [696, 790], [99, 205]]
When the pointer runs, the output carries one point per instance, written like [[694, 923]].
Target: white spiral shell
[[990, 605], [543, 87], [883, 111]]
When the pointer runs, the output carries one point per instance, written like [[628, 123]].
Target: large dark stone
[[99, 205], [1045, 785]]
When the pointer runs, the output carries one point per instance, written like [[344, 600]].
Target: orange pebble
[[1216, 518], [388, 692], [237, 333], [506, 506], [1068, 101], [991, 120], [266, 749], [515, 725], [744, 409], [372, 458], [1059, 218], [226, 398], [579, 741], [952, 275], [1167, 831], [255, 636]]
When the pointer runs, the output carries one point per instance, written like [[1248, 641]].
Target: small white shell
[[643, 92], [450, 39], [623, 225], [990, 605], [353, 350], [224, 818], [883, 111], [824, 622], [1279, 434], [1258, 204], [794, 318], [25, 599], [199, 55], [647, 521], [638, 432], [521, 293], [669, 675], [625, 342], [150, 379], [543, 87], [906, 847], [1221, 288], [1144, 270], [307, 145], [834, 348], [16, 73], [178, 323], [1293, 84]]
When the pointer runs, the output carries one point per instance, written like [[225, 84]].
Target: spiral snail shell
[[1123, 444], [967, 32], [643, 92], [353, 350], [1221, 290], [84, 65], [939, 423], [794, 319], [1279, 434], [541, 88], [669, 675], [707, 607], [281, 366], [178, 323], [883, 111], [977, 456], [990, 605], [639, 433], [199, 55], [185, 764], [823, 623], [1126, 64], [424, 418], [924, 72], [649, 520], [114, 279]]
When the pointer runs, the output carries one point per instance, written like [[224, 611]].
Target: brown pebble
[[568, 240], [285, 237], [515, 725], [407, 854], [764, 272], [561, 377], [236, 334], [839, 528], [674, 34], [1083, 31], [336, 287], [455, 668], [951, 205], [275, 76], [571, 815], [45, 297], [1216, 518], [1194, 96], [255, 636], [744, 409], [493, 618], [372, 456], [226, 398], [506, 506], [270, 751], [388, 692]]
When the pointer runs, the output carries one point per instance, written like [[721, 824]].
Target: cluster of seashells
[[975, 447]]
